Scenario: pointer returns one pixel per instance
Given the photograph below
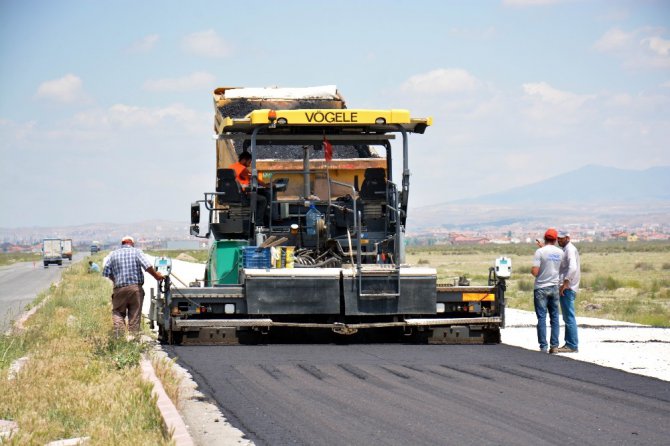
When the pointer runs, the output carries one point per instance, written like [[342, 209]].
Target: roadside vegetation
[[620, 280], [78, 381], [198, 255], [9, 258]]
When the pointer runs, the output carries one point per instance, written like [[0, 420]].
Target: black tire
[[492, 336], [175, 337]]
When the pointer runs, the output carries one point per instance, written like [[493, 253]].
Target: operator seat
[[233, 214], [227, 186], [373, 196], [374, 184]]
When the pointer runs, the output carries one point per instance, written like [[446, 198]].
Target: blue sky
[[106, 112]]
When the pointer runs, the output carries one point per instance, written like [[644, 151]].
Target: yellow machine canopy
[[378, 121]]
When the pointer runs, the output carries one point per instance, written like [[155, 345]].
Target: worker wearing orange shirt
[[243, 176]]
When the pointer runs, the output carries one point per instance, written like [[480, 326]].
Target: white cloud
[[144, 45], [442, 80], [195, 81], [547, 93], [12, 130], [206, 43], [659, 46], [175, 117], [643, 47], [666, 84], [67, 89], [613, 40], [551, 111]]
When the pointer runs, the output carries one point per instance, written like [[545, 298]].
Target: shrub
[[423, 262], [644, 266], [525, 285], [609, 283], [524, 269], [666, 266]]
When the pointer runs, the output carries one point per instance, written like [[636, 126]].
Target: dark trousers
[[261, 206], [127, 301]]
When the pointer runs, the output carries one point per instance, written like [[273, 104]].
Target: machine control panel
[[163, 265], [503, 267]]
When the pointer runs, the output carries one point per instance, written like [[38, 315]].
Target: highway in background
[[400, 394], [22, 282]]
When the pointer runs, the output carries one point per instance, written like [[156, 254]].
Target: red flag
[[327, 149]]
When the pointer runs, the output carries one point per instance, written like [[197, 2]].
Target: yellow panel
[[478, 297], [334, 117]]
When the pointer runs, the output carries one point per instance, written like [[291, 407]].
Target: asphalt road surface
[[21, 282], [399, 394]]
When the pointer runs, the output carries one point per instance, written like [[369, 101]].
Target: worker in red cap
[[546, 264]]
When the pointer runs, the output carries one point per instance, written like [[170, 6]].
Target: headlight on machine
[[229, 308], [440, 307]]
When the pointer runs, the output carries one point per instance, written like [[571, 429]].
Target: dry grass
[[79, 380], [169, 378], [626, 282]]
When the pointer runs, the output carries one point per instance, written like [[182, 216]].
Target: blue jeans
[[547, 299], [568, 310]]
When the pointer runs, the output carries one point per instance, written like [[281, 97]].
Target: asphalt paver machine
[[315, 242]]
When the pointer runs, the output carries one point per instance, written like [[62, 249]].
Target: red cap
[[551, 234]]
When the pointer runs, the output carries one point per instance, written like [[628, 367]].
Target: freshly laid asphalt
[[401, 394]]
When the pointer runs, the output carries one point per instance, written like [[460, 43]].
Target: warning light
[[272, 117]]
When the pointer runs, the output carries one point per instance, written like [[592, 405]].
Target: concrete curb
[[171, 417]]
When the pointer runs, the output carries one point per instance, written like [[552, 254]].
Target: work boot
[[553, 349], [566, 349]]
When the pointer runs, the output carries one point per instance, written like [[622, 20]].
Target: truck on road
[[67, 249], [52, 252], [316, 240], [95, 247]]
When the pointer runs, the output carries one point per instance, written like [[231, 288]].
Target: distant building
[[459, 239], [620, 235]]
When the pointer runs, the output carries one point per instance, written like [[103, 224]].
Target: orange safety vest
[[242, 173]]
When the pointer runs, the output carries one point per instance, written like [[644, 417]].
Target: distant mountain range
[[587, 195], [589, 184], [106, 233]]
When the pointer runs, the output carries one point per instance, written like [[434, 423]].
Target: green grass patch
[[15, 257], [616, 276], [600, 283], [79, 380]]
